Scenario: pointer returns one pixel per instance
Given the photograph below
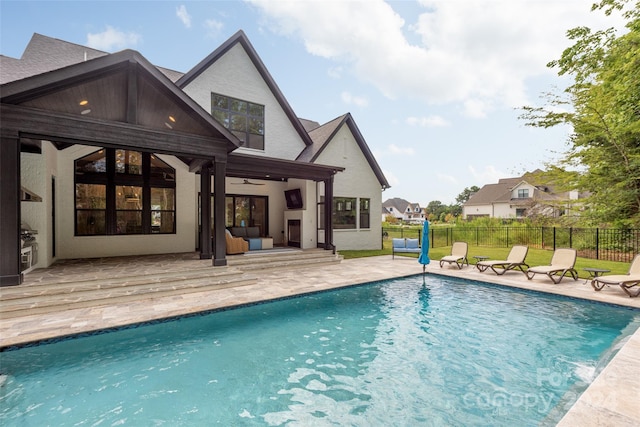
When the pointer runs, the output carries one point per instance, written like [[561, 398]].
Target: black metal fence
[[596, 243]]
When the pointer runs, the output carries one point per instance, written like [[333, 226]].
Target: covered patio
[[122, 102]]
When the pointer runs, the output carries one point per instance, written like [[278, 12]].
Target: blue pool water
[[394, 353]]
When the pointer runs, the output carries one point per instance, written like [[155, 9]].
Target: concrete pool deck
[[611, 399]]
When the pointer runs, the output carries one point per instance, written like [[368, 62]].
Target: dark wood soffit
[[258, 167], [37, 124]]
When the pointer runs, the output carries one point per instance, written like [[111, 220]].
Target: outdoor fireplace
[[294, 232]]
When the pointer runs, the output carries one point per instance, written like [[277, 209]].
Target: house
[[403, 210], [519, 198], [106, 154]]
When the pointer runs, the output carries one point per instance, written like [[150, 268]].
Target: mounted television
[[293, 198]]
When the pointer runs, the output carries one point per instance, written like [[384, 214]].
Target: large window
[[523, 193], [124, 192], [344, 212], [247, 211], [245, 119]]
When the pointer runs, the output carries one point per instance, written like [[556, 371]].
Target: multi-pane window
[[523, 193], [344, 212], [245, 119], [521, 212], [124, 192]]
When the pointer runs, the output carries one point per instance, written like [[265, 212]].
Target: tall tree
[[463, 197], [603, 108]]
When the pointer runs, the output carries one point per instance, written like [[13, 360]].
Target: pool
[[412, 351]]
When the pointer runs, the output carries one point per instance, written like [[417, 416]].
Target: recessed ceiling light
[[168, 125], [172, 119], [87, 111], [84, 102]]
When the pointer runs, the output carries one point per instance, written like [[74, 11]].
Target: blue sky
[[434, 86]]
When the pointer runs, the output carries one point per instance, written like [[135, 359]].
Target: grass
[[534, 257]]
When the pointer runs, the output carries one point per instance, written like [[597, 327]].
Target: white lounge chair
[[458, 255], [514, 260], [563, 262], [625, 281]]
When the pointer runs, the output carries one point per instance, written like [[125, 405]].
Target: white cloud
[[429, 121], [183, 15], [479, 54], [404, 151], [490, 175], [350, 99], [113, 39], [446, 178], [213, 28]]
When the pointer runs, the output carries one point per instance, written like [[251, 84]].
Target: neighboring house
[[519, 198], [403, 210], [126, 158]]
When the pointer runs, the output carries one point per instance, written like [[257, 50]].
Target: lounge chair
[[563, 262], [235, 245], [625, 281], [458, 255], [514, 260]]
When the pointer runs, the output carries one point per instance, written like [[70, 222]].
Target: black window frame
[[245, 119], [111, 179]]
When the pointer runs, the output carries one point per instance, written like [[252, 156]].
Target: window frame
[[253, 118], [141, 179], [523, 193]]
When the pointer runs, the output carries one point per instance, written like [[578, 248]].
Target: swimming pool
[[399, 352]]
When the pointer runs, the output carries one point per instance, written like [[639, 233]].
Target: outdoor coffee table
[[594, 272]]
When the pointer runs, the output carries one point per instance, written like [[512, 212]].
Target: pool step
[[82, 293], [252, 261]]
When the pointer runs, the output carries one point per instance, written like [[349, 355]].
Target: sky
[[435, 86]]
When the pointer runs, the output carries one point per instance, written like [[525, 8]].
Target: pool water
[[413, 351]]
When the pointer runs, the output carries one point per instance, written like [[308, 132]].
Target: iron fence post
[[597, 243]]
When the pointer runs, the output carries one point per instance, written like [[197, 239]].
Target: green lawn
[[534, 257]]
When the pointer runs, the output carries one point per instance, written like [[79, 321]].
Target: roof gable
[[323, 135], [240, 38]]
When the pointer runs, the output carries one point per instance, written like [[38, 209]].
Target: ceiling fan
[[247, 182]]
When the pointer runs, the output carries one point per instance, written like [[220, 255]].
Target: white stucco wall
[[36, 171], [357, 180], [235, 75], [70, 246]]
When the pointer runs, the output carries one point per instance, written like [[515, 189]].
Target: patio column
[[219, 192], [328, 206], [10, 243], [205, 212]]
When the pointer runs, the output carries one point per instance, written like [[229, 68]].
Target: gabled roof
[[397, 203], [121, 88], [502, 192], [322, 136], [241, 38], [44, 54]]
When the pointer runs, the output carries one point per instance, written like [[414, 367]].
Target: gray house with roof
[[519, 198]]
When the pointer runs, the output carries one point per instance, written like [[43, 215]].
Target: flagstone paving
[[612, 398]]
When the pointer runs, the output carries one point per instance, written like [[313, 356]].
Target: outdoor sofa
[[403, 245], [563, 262]]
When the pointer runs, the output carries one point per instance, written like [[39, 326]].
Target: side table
[[594, 272]]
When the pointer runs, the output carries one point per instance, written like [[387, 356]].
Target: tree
[[463, 197], [603, 108]]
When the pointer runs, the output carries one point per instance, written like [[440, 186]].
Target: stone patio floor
[[611, 400]]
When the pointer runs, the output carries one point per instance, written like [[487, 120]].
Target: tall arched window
[[122, 191]]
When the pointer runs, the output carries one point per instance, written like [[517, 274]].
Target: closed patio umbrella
[[424, 248]]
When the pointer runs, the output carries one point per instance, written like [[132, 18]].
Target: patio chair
[[458, 255], [563, 262], [625, 281], [514, 260], [235, 245]]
